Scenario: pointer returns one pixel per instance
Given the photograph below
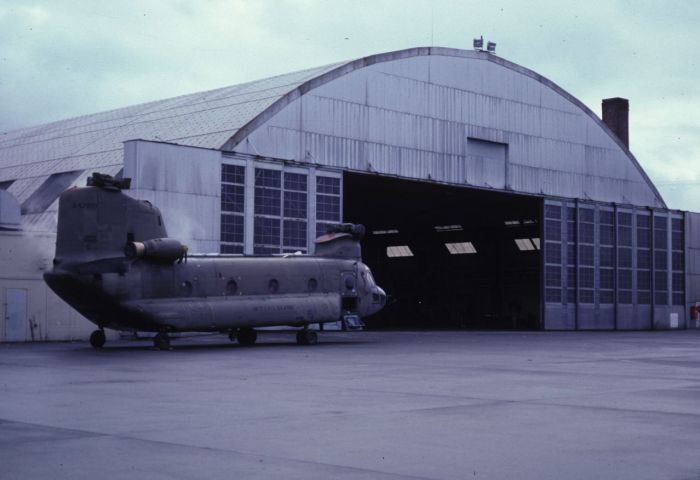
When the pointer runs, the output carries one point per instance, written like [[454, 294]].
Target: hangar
[[493, 199]]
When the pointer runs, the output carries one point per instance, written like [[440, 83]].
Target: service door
[[15, 314]]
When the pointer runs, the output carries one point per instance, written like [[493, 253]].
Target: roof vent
[[9, 212], [616, 117]]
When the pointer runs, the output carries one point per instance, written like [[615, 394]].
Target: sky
[[60, 58]]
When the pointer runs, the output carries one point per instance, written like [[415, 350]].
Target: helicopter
[[116, 265]]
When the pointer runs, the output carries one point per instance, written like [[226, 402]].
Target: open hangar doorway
[[449, 257]]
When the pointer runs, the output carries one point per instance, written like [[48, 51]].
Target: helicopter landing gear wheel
[[98, 339], [161, 341], [307, 337], [247, 336]]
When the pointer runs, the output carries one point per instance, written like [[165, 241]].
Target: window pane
[[295, 181], [624, 278], [267, 231], [586, 253], [267, 201], [552, 211], [553, 276], [606, 256], [586, 215], [624, 236], [624, 257], [295, 204], [232, 228], [327, 207], [586, 277], [644, 280], [585, 232], [233, 174], [553, 252], [267, 178], [328, 185], [552, 230], [294, 233], [232, 198]]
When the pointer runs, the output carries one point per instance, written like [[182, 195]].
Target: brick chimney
[[616, 117]]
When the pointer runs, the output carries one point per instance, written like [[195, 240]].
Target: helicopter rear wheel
[[161, 341], [307, 337], [247, 336], [98, 339]]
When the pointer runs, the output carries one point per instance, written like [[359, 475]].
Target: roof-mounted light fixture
[[479, 43], [491, 47]]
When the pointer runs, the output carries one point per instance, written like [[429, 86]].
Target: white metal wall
[[24, 257], [412, 117], [184, 183]]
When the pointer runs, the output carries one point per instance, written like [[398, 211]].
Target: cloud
[[63, 58]]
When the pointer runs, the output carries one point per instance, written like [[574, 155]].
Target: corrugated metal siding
[[404, 113], [411, 117], [204, 119]]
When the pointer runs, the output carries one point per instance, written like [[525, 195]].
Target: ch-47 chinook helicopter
[[116, 266]]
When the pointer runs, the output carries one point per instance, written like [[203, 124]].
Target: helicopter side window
[[312, 285]]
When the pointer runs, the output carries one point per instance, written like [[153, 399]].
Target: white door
[[15, 314]]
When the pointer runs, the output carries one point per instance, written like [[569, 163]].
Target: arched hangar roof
[[219, 119]]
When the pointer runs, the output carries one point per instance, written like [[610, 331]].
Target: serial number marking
[[272, 308]]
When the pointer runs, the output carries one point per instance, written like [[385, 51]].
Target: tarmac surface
[[365, 405]]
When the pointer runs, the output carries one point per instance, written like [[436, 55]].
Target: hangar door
[[448, 257]]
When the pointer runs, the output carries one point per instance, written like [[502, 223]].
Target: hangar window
[[661, 290], [643, 231], [399, 251], [6, 184], [294, 226], [571, 254], [586, 254], [280, 211], [268, 190], [232, 229], [460, 248], [552, 252], [49, 191], [677, 261], [624, 258], [606, 242], [267, 235], [327, 202], [232, 208]]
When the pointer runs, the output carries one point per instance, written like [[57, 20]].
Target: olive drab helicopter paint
[[116, 265]]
